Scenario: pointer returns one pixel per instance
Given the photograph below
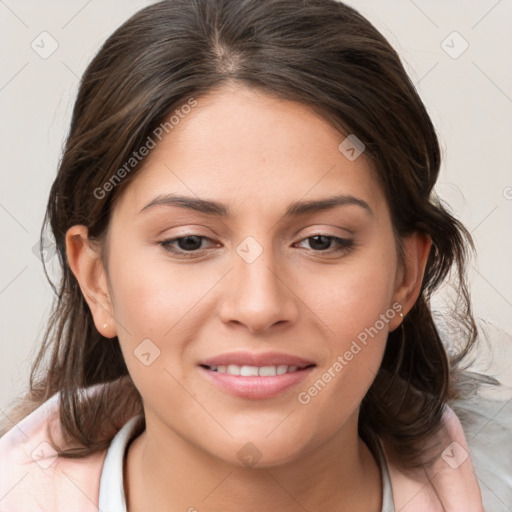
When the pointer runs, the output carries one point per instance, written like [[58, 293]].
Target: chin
[[262, 451]]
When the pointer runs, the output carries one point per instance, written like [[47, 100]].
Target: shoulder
[[487, 423], [33, 477], [448, 484]]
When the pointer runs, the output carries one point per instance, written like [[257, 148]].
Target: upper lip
[[252, 359]]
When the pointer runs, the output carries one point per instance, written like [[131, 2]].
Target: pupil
[[195, 244], [322, 246]]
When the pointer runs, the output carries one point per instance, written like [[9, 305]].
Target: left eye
[[190, 244], [343, 244]]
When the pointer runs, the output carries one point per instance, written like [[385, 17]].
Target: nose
[[257, 295]]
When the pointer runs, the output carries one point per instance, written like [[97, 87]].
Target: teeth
[[254, 371], [267, 371], [282, 368], [248, 371]]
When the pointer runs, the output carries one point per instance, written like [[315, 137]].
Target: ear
[[84, 259], [410, 274]]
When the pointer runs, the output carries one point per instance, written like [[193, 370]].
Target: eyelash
[[345, 245]]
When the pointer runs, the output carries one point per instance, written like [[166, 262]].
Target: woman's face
[[264, 283]]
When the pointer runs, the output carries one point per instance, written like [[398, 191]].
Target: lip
[[256, 387], [254, 359]]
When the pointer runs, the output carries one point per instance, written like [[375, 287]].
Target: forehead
[[242, 147]]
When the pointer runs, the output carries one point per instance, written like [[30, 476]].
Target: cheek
[[356, 344], [148, 302], [351, 296], [353, 307], [151, 306], [156, 307], [336, 393], [151, 296]]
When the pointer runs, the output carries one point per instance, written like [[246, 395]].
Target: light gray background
[[469, 99]]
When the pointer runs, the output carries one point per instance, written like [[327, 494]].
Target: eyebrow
[[221, 210]]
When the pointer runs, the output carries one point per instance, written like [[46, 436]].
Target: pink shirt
[[33, 479]]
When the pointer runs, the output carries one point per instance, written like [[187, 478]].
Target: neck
[[341, 475]]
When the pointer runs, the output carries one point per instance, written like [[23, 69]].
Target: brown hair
[[321, 53]]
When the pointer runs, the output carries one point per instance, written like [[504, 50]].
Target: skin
[[256, 154]]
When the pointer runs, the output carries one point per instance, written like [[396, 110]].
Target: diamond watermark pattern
[[46, 251], [146, 352], [249, 455], [44, 45], [249, 249], [454, 45], [454, 455], [44, 455], [352, 147]]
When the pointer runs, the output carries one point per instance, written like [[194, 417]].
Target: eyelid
[[324, 230]]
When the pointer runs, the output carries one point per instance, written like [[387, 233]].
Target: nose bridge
[[257, 295]]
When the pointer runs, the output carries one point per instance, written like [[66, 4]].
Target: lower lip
[[256, 388]]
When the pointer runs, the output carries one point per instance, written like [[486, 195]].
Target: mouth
[[255, 371], [255, 376]]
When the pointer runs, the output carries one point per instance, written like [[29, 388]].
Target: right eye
[[188, 245]]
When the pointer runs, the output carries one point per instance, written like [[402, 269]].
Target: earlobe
[[416, 248], [84, 259]]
